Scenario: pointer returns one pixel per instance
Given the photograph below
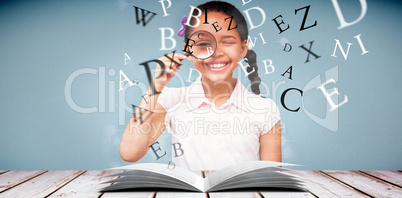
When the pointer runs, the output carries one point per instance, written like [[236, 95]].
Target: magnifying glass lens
[[204, 44]]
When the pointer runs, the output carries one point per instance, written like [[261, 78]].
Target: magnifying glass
[[201, 45]]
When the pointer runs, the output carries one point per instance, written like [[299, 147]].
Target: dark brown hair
[[242, 29]]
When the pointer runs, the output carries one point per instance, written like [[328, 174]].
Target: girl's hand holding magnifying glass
[[202, 45]]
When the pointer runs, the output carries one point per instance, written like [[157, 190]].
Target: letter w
[[144, 14]]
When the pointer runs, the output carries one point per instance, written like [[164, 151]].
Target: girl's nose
[[218, 52]]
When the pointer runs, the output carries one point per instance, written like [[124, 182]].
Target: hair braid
[[253, 77]]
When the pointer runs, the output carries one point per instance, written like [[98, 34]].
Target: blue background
[[42, 43]]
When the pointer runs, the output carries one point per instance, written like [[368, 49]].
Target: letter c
[[283, 99]]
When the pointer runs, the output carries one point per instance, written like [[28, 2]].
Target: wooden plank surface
[[393, 177], [321, 185], [3, 171], [128, 195], [13, 178], [86, 185], [180, 195], [42, 185], [234, 195], [286, 194], [369, 185]]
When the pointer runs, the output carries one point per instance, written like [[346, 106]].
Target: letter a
[[125, 79], [289, 70], [126, 58]]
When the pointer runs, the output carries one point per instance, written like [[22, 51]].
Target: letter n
[[338, 45]]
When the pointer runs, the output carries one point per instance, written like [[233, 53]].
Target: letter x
[[309, 52]]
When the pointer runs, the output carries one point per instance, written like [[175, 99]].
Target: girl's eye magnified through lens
[[201, 45]]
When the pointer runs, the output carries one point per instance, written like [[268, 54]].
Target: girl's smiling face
[[230, 48]]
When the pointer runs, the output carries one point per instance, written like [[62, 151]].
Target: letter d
[[252, 26], [342, 21]]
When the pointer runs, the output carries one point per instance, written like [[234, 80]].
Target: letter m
[[144, 15]]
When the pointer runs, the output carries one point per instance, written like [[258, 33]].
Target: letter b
[[175, 150], [164, 38]]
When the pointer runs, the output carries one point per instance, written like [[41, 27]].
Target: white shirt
[[212, 138]]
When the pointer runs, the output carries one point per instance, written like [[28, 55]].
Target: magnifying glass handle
[[186, 54]]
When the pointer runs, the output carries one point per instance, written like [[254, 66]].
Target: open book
[[253, 174]]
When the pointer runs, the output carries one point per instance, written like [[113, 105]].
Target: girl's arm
[[145, 127], [271, 144], [137, 138]]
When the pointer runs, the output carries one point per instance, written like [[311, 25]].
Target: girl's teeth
[[216, 65]]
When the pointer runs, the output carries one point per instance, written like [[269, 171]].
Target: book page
[[264, 177], [131, 185], [265, 173], [259, 182], [229, 172], [141, 176], [177, 173], [270, 172]]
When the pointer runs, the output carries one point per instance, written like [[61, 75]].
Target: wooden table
[[80, 183]]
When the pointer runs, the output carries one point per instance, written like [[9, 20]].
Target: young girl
[[215, 122]]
